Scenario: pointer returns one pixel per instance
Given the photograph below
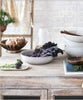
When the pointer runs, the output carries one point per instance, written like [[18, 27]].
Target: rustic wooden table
[[46, 81]]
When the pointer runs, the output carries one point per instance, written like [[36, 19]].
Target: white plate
[[23, 67], [35, 60], [71, 72]]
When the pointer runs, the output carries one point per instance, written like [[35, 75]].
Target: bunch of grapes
[[48, 45], [48, 49]]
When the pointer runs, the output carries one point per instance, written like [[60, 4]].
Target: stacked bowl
[[73, 45]]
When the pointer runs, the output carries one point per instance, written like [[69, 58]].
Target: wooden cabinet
[[67, 87], [42, 94], [50, 94], [47, 82], [55, 94], [48, 88]]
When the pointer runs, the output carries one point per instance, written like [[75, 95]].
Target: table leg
[[0, 41]]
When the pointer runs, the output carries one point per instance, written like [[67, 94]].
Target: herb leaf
[[5, 18]]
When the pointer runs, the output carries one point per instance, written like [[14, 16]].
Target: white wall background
[[54, 16]]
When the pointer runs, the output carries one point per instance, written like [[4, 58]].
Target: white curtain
[[21, 11], [11, 8], [0, 4], [25, 15]]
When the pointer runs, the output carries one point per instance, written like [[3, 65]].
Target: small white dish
[[34, 60], [23, 67]]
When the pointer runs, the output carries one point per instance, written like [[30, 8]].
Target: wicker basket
[[75, 60], [11, 48]]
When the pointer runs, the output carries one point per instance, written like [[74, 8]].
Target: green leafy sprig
[[5, 18], [78, 67]]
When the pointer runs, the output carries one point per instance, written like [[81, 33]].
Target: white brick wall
[[55, 15]]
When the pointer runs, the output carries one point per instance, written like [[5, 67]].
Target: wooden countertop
[[53, 69], [39, 76]]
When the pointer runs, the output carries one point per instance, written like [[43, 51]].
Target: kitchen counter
[[55, 68], [47, 79]]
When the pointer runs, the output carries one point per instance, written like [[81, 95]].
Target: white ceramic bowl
[[35, 60], [74, 51], [74, 38], [71, 44]]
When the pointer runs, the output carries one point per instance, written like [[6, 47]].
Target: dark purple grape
[[49, 54], [54, 54], [53, 49], [37, 50], [18, 65], [48, 49], [48, 45], [60, 51]]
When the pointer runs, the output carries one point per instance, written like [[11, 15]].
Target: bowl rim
[[32, 57], [73, 35], [74, 47]]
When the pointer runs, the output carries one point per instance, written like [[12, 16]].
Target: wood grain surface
[[55, 68], [40, 93], [49, 77]]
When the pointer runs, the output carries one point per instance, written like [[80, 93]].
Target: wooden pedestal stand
[[26, 36], [0, 40]]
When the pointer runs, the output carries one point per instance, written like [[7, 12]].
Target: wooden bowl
[[75, 60], [13, 48]]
